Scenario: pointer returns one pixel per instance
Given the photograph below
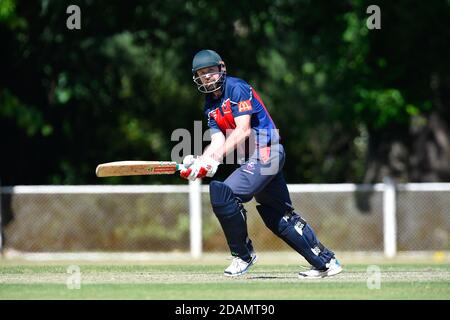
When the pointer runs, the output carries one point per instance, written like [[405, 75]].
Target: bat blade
[[136, 168]]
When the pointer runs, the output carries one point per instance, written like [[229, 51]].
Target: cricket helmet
[[208, 58]]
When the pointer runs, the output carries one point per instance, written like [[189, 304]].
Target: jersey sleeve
[[241, 99]]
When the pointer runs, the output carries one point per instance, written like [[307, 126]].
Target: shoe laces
[[231, 257], [236, 263]]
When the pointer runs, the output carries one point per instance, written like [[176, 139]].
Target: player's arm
[[217, 142], [206, 165], [221, 146]]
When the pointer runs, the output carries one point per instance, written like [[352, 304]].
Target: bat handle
[[180, 167]]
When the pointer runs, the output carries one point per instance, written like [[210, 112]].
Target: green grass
[[195, 281]]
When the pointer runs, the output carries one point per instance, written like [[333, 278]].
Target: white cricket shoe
[[239, 267], [333, 268]]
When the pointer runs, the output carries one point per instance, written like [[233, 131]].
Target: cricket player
[[239, 120]]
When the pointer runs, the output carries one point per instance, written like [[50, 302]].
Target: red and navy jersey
[[239, 98]]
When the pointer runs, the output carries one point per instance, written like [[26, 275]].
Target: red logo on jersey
[[244, 106], [226, 106], [225, 121], [264, 154]]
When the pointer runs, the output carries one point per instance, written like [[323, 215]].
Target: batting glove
[[189, 160], [200, 168]]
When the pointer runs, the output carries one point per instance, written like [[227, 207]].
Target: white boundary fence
[[195, 189]]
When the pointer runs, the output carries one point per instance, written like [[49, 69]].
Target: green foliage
[[6, 9], [8, 15], [27, 118], [117, 88], [382, 107]]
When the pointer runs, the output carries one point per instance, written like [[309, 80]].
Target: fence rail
[[379, 217]]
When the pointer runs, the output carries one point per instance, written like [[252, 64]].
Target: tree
[[352, 104]]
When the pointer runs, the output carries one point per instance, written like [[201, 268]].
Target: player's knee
[[292, 222], [223, 201], [220, 193], [284, 226], [287, 220], [269, 217]]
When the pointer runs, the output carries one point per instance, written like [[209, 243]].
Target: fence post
[[389, 218], [195, 217]]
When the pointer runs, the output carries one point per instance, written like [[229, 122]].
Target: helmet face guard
[[208, 58], [209, 87]]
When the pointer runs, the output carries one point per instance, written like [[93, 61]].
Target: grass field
[[204, 280]]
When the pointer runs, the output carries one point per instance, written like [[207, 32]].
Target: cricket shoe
[[238, 266], [332, 268]]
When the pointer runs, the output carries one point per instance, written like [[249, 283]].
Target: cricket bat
[[137, 168]]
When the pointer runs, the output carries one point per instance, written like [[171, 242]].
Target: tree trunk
[[424, 158]]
